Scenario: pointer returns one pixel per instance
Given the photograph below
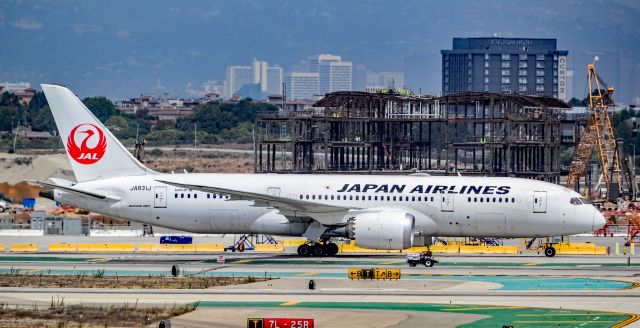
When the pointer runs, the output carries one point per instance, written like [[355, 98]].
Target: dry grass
[[203, 163], [97, 279], [58, 314]]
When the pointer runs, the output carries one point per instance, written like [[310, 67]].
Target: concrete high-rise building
[[315, 60], [274, 80], [525, 66], [263, 80], [237, 77], [359, 77], [303, 85], [385, 80], [334, 74]]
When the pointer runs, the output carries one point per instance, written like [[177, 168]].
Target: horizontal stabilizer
[[72, 190]]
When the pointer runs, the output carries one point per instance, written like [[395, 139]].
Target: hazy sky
[[123, 48]]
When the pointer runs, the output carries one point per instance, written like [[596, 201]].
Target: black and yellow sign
[[374, 273], [255, 323]]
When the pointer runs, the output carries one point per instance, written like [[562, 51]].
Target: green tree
[[101, 107], [43, 120], [117, 123]]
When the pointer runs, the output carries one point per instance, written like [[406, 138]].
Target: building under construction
[[387, 132]]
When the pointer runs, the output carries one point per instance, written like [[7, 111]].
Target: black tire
[[412, 263], [1, 209], [428, 263], [550, 252], [331, 249], [318, 250], [304, 250]]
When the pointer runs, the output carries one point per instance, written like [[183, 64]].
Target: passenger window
[[176, 196], [413, 198], [513, 200], [432, 198], [331, 197], [494, 199], [469, 199], [313, 196], [420, 198], [188, 195], [181, 195], [500, 200], [195, 195], [394, 198], [357, 197], [388, 198], [480, 199]]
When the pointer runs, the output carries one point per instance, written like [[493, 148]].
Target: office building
[[334, 74], [384, 80], [256, 81], [237, 77], [508, 65], [274, 80], [303, 85]]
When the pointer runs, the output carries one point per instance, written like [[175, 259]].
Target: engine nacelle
[[382, 229]]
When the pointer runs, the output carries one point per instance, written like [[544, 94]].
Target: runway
[[473, 291]]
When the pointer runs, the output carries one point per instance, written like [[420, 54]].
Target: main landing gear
[[318, 249]]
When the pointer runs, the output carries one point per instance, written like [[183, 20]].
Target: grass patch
[[98, 279], [59, 314]]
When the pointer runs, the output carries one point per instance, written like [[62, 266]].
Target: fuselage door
[[539, 202], [160, 197], [446, 204], [273, 191]]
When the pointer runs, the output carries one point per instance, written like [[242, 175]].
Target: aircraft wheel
[[550, 252], [304, 250], [331, 249], [318, 250]]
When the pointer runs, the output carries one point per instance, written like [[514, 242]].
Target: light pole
[[633, 162]]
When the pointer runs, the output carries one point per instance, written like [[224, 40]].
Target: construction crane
[[599, 134]]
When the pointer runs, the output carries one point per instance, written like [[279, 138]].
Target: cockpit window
[[584, 200], [575, 201]]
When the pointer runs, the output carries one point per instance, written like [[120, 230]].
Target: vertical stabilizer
[[93, 151]]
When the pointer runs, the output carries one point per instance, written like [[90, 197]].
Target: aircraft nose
[[598, 219]]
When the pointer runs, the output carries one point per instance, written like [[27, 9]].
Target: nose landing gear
[[318, 249]]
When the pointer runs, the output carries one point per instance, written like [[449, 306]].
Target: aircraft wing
[[72, 190], [282, 203]]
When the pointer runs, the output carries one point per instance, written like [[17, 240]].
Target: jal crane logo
[[93, 143]]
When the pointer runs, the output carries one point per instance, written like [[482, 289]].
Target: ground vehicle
[[425, 258]]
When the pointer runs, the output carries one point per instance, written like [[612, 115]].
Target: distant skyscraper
[[303, 85], [334, 74], [525, 66], [382, 80], [315, 60], [237, 77], [359, 77], [274, 80], [267, 80]]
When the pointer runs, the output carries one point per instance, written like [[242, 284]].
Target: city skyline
[[184, 49]]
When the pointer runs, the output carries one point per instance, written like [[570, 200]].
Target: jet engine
[[382, 229]]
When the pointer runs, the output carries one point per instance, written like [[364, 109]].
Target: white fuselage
[[459, 206]]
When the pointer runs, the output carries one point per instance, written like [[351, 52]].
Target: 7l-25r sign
[[279, 323]]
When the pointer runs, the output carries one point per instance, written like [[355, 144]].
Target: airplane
[[376, 211]]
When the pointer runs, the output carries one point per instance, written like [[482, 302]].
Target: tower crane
[[599, 134]]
